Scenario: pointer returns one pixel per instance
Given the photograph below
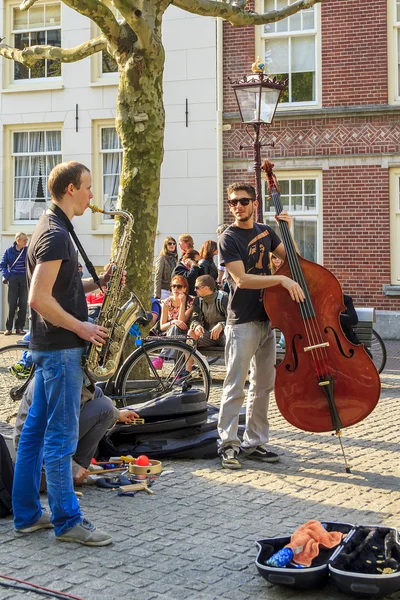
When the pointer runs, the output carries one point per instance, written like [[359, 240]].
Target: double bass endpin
[[309, 348]]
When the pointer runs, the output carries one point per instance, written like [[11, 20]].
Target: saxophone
[[103, 360]]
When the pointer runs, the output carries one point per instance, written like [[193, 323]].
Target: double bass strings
[[311, 325]]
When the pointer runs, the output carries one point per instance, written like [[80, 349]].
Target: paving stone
[[195, 540]]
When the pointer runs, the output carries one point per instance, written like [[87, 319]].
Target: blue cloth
[[156, 307], [280, 558], [9, 258], [26, 358], [50, 432]]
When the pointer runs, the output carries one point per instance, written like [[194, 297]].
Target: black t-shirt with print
[[51, 241], [252, 247]]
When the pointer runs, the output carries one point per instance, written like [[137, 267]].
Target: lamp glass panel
[[269, 100], [248, 99]]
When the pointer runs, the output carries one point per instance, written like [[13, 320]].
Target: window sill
[[103, 82], [391, 290], [34, 87]]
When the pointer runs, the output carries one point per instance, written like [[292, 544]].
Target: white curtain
[[31, 172]]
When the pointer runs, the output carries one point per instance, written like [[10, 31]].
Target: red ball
[[142, 461]]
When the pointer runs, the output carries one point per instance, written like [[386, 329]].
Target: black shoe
[[260, 453], [228, 457]]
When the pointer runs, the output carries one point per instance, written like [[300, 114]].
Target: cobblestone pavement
[[195, 538]]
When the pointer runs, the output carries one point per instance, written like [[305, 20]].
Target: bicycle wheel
[[11, 380], [378, 351], [159, 367]]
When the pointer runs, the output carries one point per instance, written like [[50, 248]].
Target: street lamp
[[257, 97]]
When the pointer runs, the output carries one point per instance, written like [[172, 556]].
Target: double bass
[[324, 382]]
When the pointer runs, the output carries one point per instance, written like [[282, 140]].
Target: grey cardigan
[[162, 275]]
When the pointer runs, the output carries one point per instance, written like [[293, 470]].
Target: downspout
[[220, 101]]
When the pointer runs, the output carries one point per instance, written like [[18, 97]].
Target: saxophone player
[[59, 331]]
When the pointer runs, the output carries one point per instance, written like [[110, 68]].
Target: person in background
[[165, 264], [185, 243], [188, 267], [14, 275], [208, 250], [207, 323], [94, 301], [97, 415], [274, 263], [175, 314], [221, 280]]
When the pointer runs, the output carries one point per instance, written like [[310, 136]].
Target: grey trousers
[[95, 418], [248, 346]]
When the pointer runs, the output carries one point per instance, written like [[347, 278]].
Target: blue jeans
[[50, 433]]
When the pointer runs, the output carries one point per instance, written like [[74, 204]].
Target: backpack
[[6, 479], [218, 302]]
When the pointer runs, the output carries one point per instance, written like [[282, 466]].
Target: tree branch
[[137, 18], [30, 55], [101, 15], [235, 13]]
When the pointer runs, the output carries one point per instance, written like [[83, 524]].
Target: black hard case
[[356, 584]]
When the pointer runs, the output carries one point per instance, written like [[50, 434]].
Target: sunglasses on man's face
[[198, 287], [243, 201], [178, 286]]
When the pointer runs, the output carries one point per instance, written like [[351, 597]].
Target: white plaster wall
[[188, 200]]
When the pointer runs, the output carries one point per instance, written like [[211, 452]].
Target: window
[[39, 25], [300, 196], [397, 45], [111, 161], [395, 226], [34, 155], [290, 52], [108, 64]]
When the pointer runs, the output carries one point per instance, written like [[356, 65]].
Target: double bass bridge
[[310, 348]]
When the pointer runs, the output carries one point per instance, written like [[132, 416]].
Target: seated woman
[[207, 252], [175, 314]]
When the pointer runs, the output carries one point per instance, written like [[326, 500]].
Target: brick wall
[[356, 232], [354, 52], [356, 218]]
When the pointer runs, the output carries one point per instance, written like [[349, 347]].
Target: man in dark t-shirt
[[244, 249], [58, 333]]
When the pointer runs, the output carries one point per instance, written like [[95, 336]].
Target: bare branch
[[235, 14], [30, 55], [101, 15], [26, 4]]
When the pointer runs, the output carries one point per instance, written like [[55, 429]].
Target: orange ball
[[142, 461]]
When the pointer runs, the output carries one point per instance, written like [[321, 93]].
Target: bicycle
[[378, 351], [136, 381]]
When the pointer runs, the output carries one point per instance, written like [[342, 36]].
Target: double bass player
[[244, 249]]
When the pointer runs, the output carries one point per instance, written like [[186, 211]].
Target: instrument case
[[335, 562]]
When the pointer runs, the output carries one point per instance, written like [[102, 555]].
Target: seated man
[[97, 415], [209, 314]]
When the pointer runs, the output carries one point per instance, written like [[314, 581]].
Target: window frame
[[37, 83], [393, 53], [98, 78], [314, 216], [394, 182], [99, 224], [9, 224], [260, 38]]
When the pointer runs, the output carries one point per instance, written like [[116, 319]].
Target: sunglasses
[[198, 287], [178, 286], [242, 201], [171, 243]]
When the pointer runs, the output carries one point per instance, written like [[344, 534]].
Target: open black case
[[366, 563]]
